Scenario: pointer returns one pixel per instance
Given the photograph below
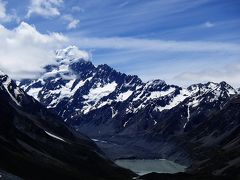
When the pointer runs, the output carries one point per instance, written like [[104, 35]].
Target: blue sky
[[180, 41]]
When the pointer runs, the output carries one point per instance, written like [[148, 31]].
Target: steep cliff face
[[216, 142]]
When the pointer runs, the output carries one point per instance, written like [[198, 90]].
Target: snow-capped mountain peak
[[155, 84], [211, 86], [65, 63]]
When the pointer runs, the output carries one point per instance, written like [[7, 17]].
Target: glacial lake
[[145, 166]]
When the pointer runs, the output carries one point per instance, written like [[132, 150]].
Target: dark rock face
[[36, 144], [125, 116], [215, 146], [216, 142]]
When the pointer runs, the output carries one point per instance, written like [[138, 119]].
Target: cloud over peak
[[24, 50]]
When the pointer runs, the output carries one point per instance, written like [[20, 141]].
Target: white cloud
[[4, 16], [72, 23], [209, 24], [24, 50], [45, 8], [229, 73], [156, 45]]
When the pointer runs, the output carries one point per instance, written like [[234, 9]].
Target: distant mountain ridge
[[122, 109]]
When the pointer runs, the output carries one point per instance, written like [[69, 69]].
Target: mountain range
[[126, 117], [42, 121]]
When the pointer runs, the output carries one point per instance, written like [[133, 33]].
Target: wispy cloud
[[4, 16], [24, 50], [153, 39], [45, 8], [114, 17], [77, 9], [124, 4], [209, 24], [229, 73], [72, 23], [157, 45]]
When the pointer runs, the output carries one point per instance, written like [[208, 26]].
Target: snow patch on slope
[[99, 92], [54, 136], [124, 96], [158, 94], [96, 94], [65, 91], [188, 117], [34, 92], [184, 93]]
